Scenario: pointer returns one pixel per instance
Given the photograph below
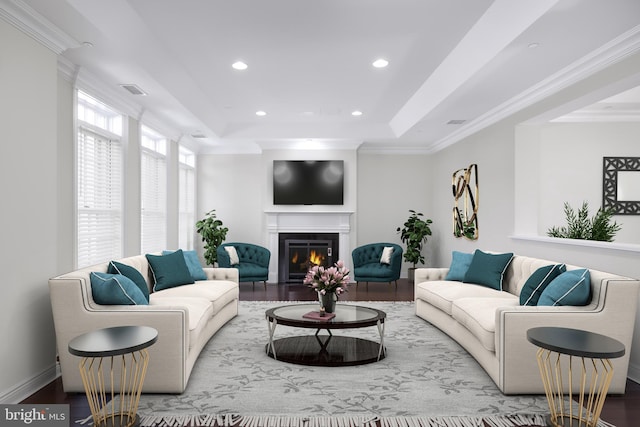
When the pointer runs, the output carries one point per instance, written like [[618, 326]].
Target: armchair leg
[[253, 286], [265, 284]]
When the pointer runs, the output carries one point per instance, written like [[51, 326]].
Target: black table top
[[576, 342], [113, 341]]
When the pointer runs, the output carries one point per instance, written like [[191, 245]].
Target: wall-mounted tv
[[308, 182]]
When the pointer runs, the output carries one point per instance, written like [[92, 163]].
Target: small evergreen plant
[[580, 226]]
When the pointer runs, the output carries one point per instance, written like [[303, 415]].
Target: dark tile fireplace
[[300, 251]]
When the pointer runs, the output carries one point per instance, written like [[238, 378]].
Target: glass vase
[[328, 301]]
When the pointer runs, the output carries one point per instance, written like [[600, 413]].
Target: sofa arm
[[613, 316], [426, 274], [74, 314], [222, 273]]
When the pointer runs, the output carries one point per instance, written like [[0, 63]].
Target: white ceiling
[[310, 63]]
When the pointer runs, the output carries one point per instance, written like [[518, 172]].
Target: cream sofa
[[186, 317], [492, 326]]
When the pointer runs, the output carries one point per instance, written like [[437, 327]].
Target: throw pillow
[[131, 273], [169, 270], [233, 254], [488, 269], [386, 255], [193, 264], [460, 262], [538, 281], [569, 288], [115, 289]]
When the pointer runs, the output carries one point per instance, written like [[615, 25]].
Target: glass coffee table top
[[347, 316]]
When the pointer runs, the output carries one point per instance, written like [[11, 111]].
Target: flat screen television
[[308, 182]]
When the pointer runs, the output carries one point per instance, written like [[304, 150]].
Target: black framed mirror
[[621, 185]]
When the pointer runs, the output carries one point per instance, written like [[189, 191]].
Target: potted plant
[[414, 234], [579, 226], [213, 234]]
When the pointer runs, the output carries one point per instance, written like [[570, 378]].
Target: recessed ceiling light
[[239, 65], [533, 45], [380, 63], [261, 113], [356, 113]]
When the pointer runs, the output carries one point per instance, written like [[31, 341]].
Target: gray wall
[[30, 210]]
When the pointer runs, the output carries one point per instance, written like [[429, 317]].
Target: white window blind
[[154, 191], [187, 200], [99, 198]]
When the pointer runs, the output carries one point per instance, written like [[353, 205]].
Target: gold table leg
[[591, 383], [113, 389]]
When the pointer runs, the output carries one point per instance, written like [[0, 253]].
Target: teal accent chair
[[254, 261], [368, 268]]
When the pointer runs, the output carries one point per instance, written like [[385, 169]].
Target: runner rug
[[427, 379]]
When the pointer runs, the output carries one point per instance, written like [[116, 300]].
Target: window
[[187, 201], [154, 190], [99, 182]]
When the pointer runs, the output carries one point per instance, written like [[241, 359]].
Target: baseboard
[[30, 386]]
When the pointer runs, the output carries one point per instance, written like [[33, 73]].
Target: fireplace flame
[[316, 258], [294, 259]]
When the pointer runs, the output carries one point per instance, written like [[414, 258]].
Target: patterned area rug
[[425, 374]]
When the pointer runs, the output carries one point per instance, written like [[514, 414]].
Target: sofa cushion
[[538, 281], [488, 269], [169, 270], [193, 264], [460, 262], [252, 270], [478, 315], [115, 289], [199, 309], [385, 258], [569, 288], [132, 273], [442, 294], [219, 293]]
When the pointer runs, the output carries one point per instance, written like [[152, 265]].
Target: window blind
[[186, 209], [154, 201], [99, 198]]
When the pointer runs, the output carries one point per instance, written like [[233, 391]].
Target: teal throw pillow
[[169, 270], [131, 273], [115, 289], [193, 264], [488, 269], [569, 288], [460, 262], [538, 281]]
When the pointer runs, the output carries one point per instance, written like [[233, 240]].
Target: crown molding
[[618, 49], [30, 22], [377, 149], [599, 116]]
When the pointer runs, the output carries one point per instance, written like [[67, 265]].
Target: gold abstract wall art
[[465, 206]]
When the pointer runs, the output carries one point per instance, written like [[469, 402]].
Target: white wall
[[29, 214], [571, 170], [388, 186]]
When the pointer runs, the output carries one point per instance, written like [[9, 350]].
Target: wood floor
[[621, 411]]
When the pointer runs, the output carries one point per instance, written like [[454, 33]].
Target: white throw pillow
[[233, 254], [386, 255]]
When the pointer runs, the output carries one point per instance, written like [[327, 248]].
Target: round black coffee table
[[113, 366], [325, 350], [589, 385]]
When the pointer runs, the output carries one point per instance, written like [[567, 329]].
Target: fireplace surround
[[281, 222]]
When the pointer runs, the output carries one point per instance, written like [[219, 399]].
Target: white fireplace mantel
[[306, 222]]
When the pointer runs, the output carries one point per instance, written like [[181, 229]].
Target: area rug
[[427, 379]]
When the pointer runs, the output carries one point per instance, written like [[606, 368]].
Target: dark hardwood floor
[[621, 411]]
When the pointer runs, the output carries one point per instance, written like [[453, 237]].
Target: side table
[[595, 372], [113, 388]]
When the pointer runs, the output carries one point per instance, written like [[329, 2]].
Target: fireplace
[[298, 252]]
